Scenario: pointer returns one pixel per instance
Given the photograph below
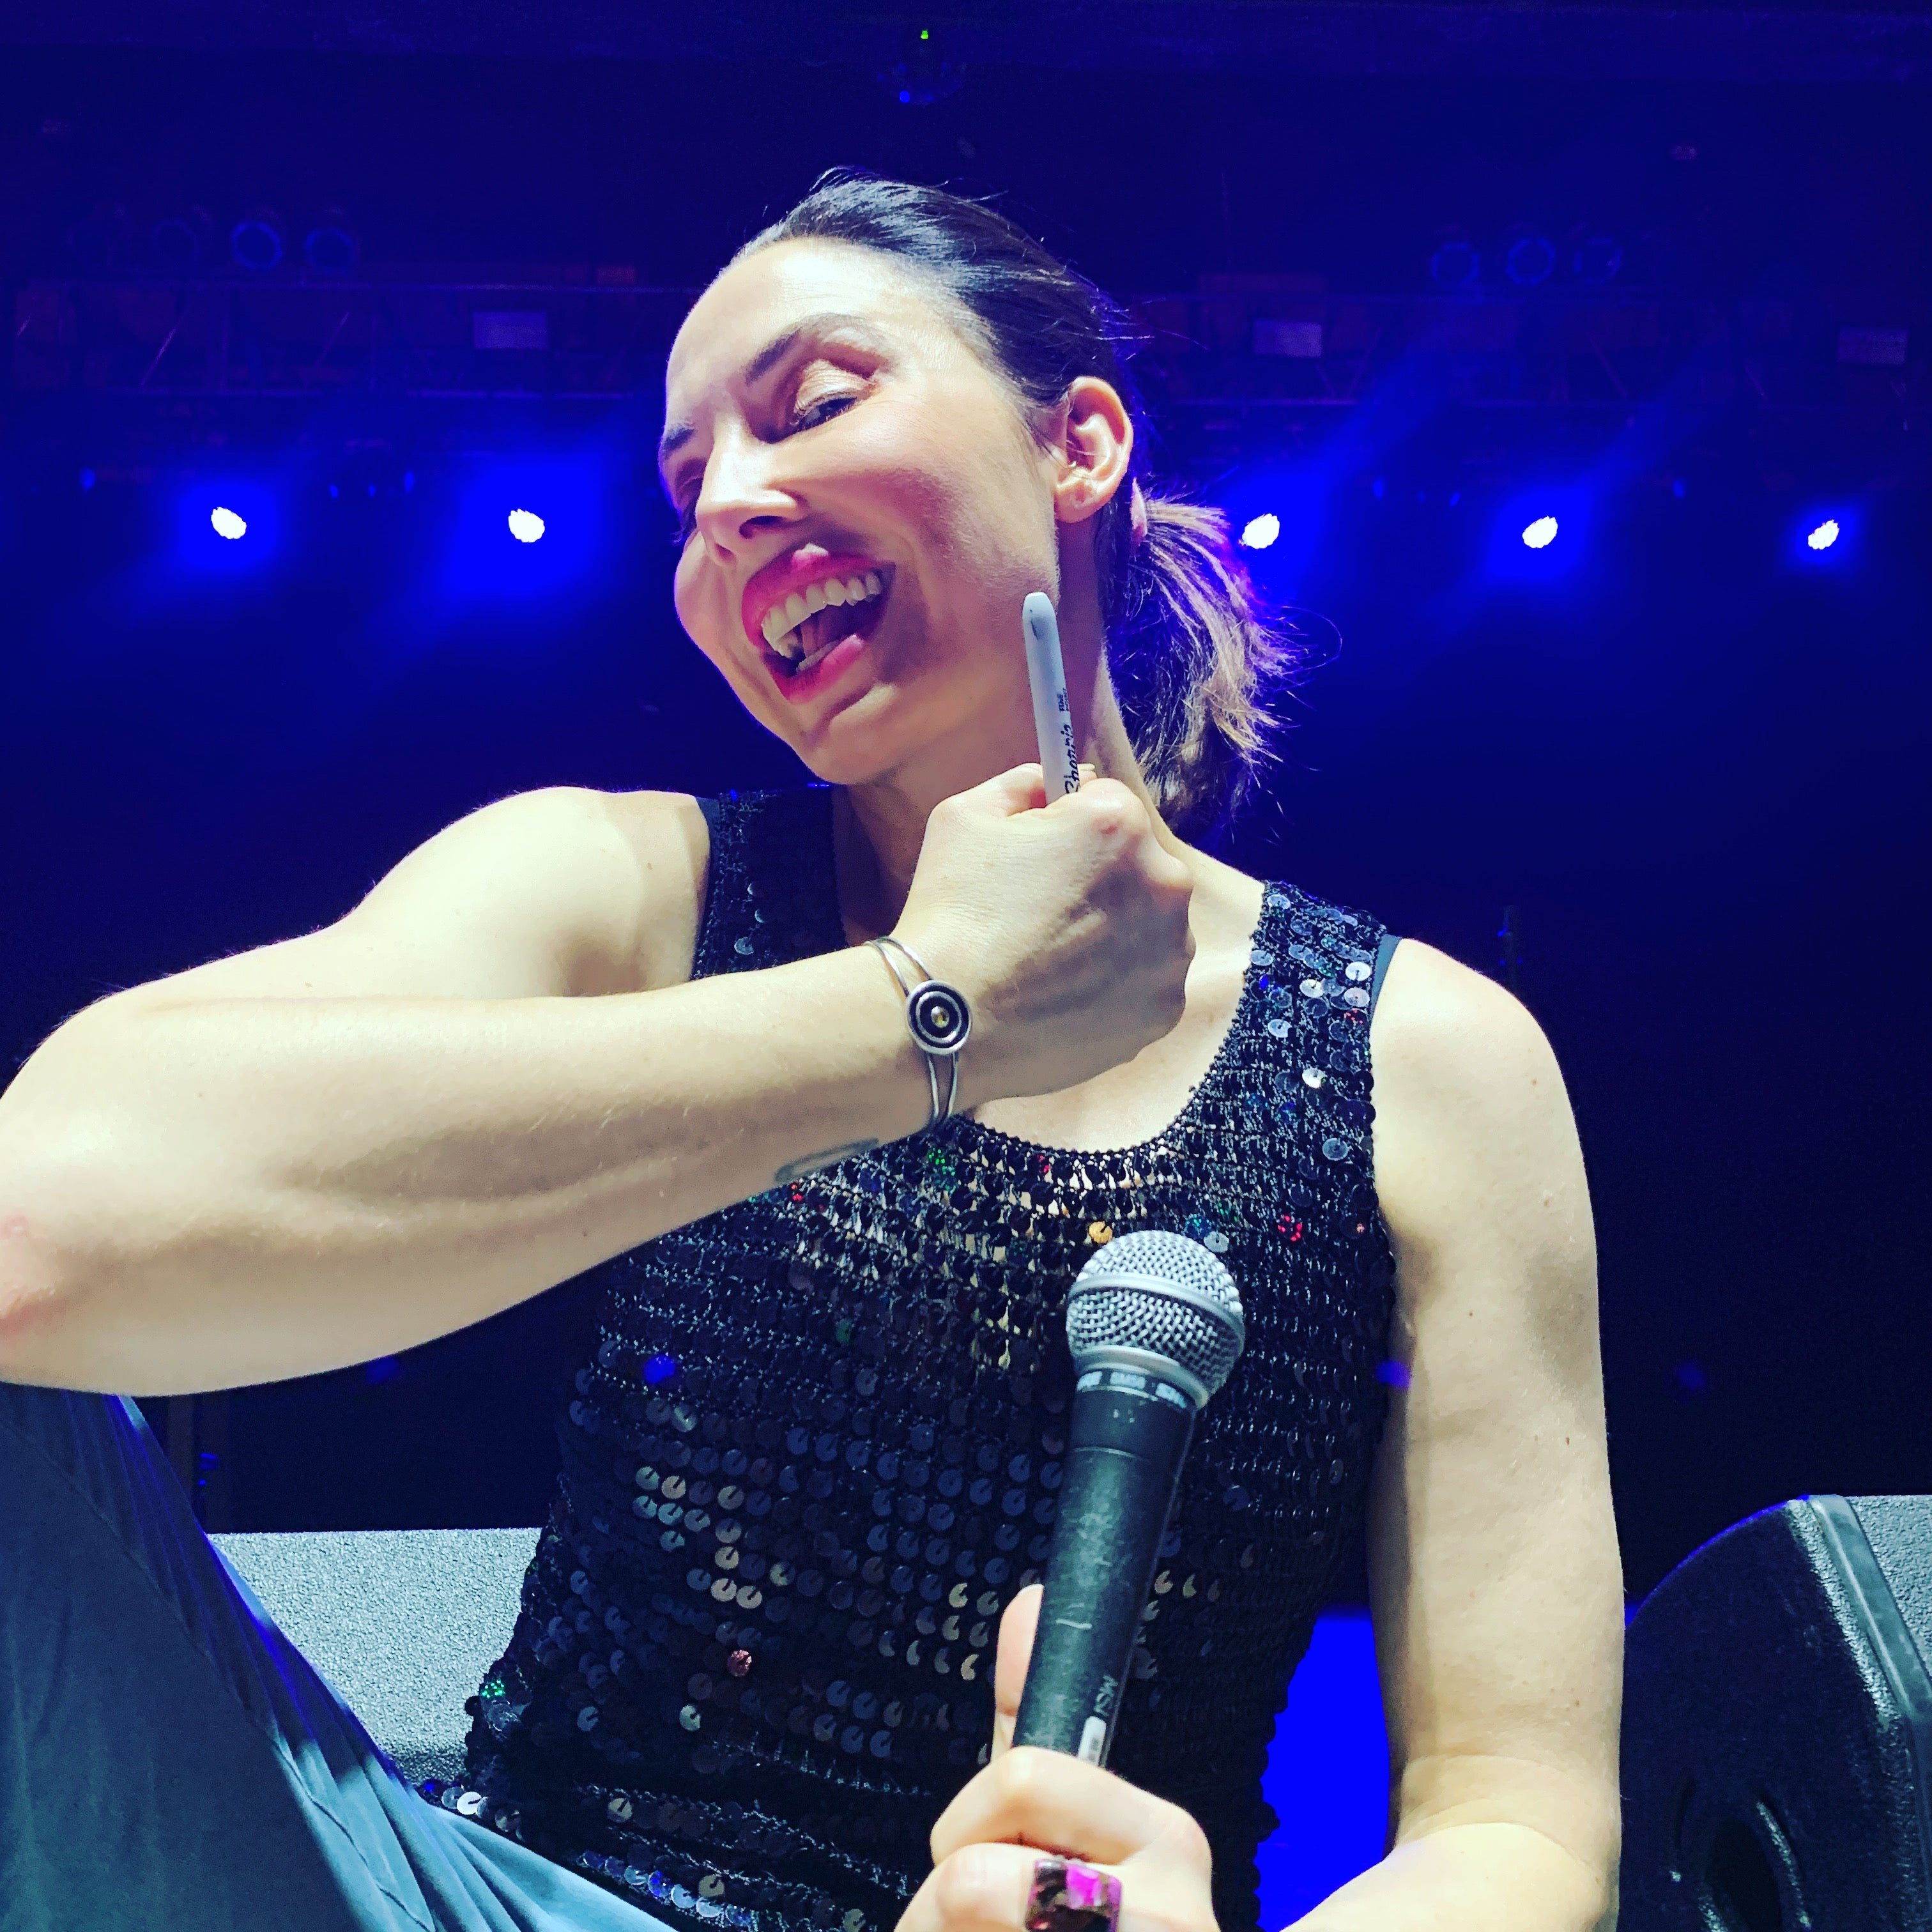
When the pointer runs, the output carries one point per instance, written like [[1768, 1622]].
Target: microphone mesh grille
[[1105, 1312]]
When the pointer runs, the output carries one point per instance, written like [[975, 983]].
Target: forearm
[[1490, 1877], [233, 1192]]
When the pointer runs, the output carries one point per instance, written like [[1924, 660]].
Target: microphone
[[1155, 1323]]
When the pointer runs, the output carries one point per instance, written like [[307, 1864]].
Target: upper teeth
[[782, 620]]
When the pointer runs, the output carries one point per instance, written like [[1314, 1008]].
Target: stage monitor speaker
[[1778, 1727]]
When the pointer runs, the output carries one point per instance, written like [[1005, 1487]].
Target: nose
[[742, 494]]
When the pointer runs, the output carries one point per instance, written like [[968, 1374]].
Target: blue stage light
[[1825, 536], [1260, 531], [535, 526], [211, 515], [1524, 547]]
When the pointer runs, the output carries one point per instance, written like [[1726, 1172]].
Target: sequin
[[846, 1400]]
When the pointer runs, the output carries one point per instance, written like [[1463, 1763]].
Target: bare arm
[[482, 1081], [1498, 1591]]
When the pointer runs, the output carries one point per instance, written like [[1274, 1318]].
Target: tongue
[[822, 628]]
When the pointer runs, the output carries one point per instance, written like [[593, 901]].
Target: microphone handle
[[1126, 1446]]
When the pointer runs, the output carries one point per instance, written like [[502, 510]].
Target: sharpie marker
[[1052, 719]]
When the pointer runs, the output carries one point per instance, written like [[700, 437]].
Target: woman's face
[[832, 436]]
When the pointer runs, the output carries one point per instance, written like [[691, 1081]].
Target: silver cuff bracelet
[[938, 1018]]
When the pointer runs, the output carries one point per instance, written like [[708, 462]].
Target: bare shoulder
[[1440, 1024], [1475, 1149], [558, 892], [665, 843], [613, 881]]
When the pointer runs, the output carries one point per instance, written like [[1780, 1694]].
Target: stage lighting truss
[[1235, 352]]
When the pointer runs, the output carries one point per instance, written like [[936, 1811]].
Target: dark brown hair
[[1192, 649]]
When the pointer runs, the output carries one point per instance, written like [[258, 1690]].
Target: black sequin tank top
[[811, 1445]]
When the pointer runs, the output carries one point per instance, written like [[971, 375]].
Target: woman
[[811, 1443]]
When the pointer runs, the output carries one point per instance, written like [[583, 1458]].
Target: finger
[[1022, 789], [979, 1888], [1107, 799], [1012, 1655], [1045, 1799], [1090, 776]]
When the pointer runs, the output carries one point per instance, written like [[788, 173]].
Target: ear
[[1095, 444]]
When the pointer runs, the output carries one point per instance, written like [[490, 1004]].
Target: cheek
[[942, 470], [697, 603]]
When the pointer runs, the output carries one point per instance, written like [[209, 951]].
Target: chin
[[852, 751], [861, 761]]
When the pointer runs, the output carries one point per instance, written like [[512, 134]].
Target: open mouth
[[804, 630]]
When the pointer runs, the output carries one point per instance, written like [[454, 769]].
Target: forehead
[[759, 299]]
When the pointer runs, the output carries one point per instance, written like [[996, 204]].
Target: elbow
[[32, 1300], [43, 1261]]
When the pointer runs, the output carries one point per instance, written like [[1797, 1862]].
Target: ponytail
[[1193, 661]]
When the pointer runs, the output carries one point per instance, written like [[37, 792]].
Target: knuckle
[[1021, 1772], [1190, 1840]]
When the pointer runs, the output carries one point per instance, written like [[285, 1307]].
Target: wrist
[[939, 1021]]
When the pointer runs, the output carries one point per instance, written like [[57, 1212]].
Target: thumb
[[1012, 1656]]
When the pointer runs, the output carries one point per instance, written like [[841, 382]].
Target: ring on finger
[[1070, 1895]]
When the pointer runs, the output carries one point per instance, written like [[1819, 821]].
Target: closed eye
[[810, 417]]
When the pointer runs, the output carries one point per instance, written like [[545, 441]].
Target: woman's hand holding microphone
[[1039, 1842]]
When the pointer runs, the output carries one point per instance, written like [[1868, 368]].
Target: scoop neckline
[[962, 1126], [1237, 1023]]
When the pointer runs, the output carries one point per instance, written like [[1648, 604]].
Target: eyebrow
[[774, 351]]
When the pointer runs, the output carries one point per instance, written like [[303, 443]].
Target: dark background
[[1686, 754]]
